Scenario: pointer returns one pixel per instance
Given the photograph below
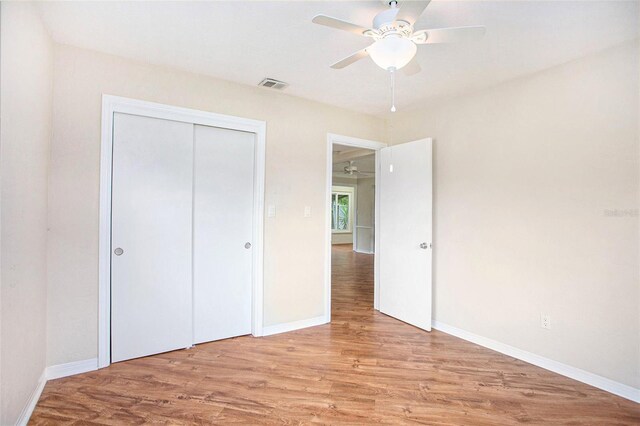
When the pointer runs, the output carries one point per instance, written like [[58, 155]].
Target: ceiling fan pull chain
[[393, 89]]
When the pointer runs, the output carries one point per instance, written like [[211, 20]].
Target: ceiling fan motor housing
[[349, 169], [385, 23]]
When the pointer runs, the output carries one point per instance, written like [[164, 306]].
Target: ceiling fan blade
[[413, 67], [410, 11], [350, 59], [448, 35], [339, 24]]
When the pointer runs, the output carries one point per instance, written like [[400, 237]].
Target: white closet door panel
[[223, 219], [151, 281], [405, 232]]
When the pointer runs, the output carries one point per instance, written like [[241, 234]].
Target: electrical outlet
[[271, 211], [307, 211], [545, 321]]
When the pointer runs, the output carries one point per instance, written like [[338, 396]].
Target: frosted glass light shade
[[392, 52]]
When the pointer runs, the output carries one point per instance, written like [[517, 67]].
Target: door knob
[[118, 251], [247, 245], [425, 246]]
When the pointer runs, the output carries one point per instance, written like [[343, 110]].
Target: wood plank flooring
[[363, 368]]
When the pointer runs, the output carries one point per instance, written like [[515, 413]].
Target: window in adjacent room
[[341, 209]]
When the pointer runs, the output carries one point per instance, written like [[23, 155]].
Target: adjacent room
[[353, 218], [333, 212]]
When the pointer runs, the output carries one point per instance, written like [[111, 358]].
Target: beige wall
[[295, 176], [342, 238], [535, 210], [344, 181], [25, 108]]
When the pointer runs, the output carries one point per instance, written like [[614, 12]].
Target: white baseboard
[[25, 415], [295, 325], [583, 376], [71, 368], [363, 251], [50, 373]]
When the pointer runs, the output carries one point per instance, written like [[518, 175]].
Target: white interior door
[[151, 288], [223, 232], [405, 232]]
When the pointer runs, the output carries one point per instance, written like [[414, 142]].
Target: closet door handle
[[247, 245], [118, 251]]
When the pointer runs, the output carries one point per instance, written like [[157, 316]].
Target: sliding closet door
[[151, 277], [223, 233]]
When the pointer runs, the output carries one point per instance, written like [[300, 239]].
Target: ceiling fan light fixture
[[392, 52]]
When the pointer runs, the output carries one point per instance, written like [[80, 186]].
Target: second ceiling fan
[[351, 169]]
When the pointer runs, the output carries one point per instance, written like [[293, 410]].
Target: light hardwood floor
[[363, 368]]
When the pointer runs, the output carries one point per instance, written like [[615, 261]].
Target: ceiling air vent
[[273, 84]]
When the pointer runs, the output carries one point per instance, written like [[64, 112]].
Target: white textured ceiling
[[244, 41]]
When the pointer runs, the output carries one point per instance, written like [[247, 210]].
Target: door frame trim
[[112, 104], [332, 139]]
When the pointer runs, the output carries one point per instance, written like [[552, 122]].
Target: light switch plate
[[307, 211]]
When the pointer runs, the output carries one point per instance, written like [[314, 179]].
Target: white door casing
[[405, 244]]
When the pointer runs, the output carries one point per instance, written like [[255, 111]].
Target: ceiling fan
[[351, 168], [395, 40]]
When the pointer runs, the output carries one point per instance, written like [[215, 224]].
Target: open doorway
[[351, 223], [353, 198]]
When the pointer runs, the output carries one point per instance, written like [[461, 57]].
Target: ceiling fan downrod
[[392, 71]]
